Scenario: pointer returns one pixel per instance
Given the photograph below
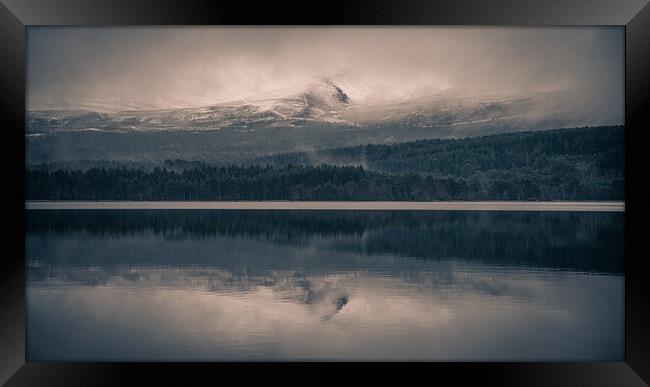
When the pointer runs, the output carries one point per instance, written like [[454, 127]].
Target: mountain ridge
[[344, 99]]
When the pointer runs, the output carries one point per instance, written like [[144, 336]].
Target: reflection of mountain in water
[[324, 294], [579, 241], [321, 290]]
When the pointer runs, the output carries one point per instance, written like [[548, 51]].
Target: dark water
[[184, 285]]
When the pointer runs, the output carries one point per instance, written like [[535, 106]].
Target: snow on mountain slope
[[451, 109], [343, 99]]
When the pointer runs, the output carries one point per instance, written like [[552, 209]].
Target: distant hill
[[597, 149]]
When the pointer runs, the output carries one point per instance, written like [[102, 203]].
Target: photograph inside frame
[[187, 115]]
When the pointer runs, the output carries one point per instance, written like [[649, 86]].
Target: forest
[[561, 164]]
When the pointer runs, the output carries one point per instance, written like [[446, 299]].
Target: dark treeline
[[572, 240], [566, 164], [304, 183], [597, 149]]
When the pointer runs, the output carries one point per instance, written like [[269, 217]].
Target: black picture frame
[[15, 15]]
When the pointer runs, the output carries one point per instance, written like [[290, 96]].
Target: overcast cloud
[[160, 67]]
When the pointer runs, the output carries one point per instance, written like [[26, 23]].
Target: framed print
[[207, 189]]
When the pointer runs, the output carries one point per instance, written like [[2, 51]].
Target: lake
[[263, 284]]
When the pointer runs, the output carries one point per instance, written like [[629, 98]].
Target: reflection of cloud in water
[[191, 313], [281, 315], [327, 293], [324, 295]]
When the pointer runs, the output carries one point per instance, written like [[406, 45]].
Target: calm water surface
[[186, 285]]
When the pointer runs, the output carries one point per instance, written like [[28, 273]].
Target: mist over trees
[[561, 164]]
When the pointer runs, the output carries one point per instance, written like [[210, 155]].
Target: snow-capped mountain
[[348, 99], [314, 101], [337, 110]]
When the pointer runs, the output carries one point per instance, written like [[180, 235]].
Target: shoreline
[[578, 206]]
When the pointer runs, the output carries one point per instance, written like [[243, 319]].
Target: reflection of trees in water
[[573, 240], [579, 241], [185, 224]]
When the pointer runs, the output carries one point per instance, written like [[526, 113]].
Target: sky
[[116, 68]]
